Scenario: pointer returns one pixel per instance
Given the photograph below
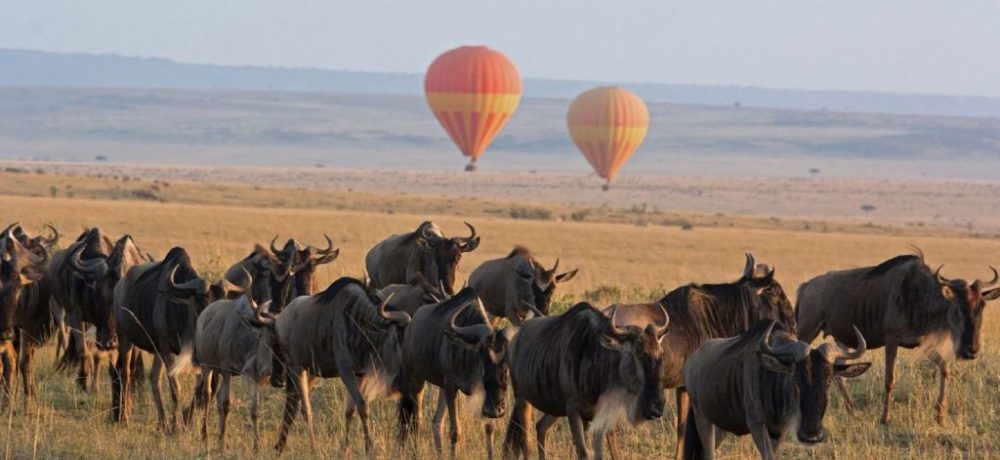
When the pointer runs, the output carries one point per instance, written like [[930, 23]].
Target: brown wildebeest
[[699, 312], [517, 286], [452, 346], [413, 295], [346, 332], [898, 303], [426, 250], [156, 307], [580, 365], [25, 321], [226, 345], [282, 274], [762, 382]]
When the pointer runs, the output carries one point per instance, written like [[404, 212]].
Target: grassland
[[618, 261]]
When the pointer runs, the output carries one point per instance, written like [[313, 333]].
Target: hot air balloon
[[472, 90], [607, 124]]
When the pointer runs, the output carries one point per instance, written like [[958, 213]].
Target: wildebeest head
[[640, 358], [282, 269], [20, 265], [96, 272], [965, 315], [543, 283], [759, 282], [443, 254], [490, 345], [813, 369], [306, 262]]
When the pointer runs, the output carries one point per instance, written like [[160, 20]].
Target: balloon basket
[[606, 187], [471, 167]]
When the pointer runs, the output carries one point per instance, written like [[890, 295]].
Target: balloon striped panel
[[607, 125], [472, 120]]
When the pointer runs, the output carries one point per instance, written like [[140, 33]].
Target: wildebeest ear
[[947, 292], [850, 370], [772, 363], [991, 295], [327, 258], [567, 276], [611, 343]]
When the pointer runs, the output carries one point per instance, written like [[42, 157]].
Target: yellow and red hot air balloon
[[472, 90], [607, 124]]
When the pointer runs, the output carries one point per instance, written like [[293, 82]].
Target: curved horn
[[661, 329], [196, 285], [244, 285], [21, 251], [749, 267], [275, 250], [615, 330], [260, 316], [91, 269], [859, 351], [996, 278], [941, 279], [398, 317], [9, 228], [765, 343], [51, 241], [477, 332], [329, 245], [470, 242]]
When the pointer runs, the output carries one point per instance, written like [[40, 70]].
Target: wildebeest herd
[[739, 356]]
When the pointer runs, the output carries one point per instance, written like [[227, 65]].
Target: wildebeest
[[762, 382], [156, 307], [25, 321], [516, 286], [346, 332], [413, 295], [699, 312], [898, 303], [282, 274], [452, 346], [225, 345], [426, 250], [580, 365]]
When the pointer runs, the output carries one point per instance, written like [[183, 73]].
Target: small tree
[[814, 171], [867, 208]]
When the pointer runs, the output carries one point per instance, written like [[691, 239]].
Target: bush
[[530, 213]]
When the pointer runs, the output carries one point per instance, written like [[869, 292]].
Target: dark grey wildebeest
[[156, 309], [517, 286], [25, 321], [226, 345], [765, 383], [396, 259], [898, 303], [581, 366], [281, 275], [452, 346], [346, 332], [415, 294], [699, 312]]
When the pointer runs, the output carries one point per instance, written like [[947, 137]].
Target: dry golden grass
[[618, 262]]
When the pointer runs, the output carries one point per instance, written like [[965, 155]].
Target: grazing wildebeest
[[763, 382], [226, 345], [83, 289], [426, 251], [516, 286], [699, 312], [25, 321], [580, 365], [452, 346], [898, 303], [413, 295], [346, 332], [156, 307]]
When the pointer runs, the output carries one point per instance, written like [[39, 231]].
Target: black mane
[[887, 266]]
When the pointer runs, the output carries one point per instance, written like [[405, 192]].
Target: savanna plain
[[621, 259]]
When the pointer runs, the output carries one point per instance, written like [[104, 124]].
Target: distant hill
[[35, 68]]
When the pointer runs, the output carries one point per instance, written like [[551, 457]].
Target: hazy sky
[[887, 45]]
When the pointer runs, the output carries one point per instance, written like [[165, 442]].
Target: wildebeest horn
[[91, 269], [398, 317], [474, 334], [615, 330], [21, 251], [329, 245], [661, 329], [555, 267], [275, 250], [470, 242], [749, 267], [9, 228], [427, 234], [795, 350], [765, 343], [189, 287], [51, 241], [996, 277], [859, 351], [245, 282], [260, 318], [941, 279]]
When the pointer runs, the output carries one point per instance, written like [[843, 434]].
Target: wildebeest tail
[[693, 449], [407, 415], [277, 363], [515, 443]]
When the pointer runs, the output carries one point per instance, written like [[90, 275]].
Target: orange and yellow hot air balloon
[[607, 124], [472, 90]]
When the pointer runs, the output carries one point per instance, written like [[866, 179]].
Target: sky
[[903, 46]]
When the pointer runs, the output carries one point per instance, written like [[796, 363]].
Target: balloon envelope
[[472, 90], [607, 124]]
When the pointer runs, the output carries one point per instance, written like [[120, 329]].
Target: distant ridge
[[37, 68]]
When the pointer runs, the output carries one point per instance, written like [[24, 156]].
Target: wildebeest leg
[[62, 331], [541, 430], [154, 384], [942, 400], [359, 404], [121, 376], [254, 391], [86, 369], [223, 399], [597, 442], [488, 430], [579, 436], [613, 443], [304, 384], [451, 396], [683, 403], [761, 439], [842, 389], [175, 393], [437, 424], [890, 380], [26, 354], [200, 387], [706, 435], [292, 400], [8, 359]]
